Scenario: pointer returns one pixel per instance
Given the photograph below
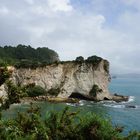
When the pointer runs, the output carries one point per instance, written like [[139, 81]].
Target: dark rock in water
[[130, 106], [115, 97], [82, 97], [119, 98], [114, 77], [105, 98]]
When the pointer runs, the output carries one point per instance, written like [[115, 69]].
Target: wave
[[131, 99], [114, 106], [122, 106], [81, 103], [71, 104], [107, 101]]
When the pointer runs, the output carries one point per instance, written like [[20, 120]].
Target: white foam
[[115, 106], [16, 104], [82, 102], [70, 104], [107, 101], [131, 99], [89, 105], [128, 106]]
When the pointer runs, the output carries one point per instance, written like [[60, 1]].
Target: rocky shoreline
[[117, 98], [120, 98], [49, 99]]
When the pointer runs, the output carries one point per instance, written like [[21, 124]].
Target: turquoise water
[[119, 112], [128, 117]]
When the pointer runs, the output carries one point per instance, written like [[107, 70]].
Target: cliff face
[[69, 77]]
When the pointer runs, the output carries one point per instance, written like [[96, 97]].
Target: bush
[[54, 91], [106, 66], [63, 125], [2, 63], [33, 91], [95, 90], [4, 74], [94, 59], [79, 59]]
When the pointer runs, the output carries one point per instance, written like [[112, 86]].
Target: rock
[[82, 97], [67, 80], [130, 106], [119, 98], [69, 77], [3, 93], [65, 100]]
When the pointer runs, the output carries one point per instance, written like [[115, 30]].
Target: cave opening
[[79, 96]]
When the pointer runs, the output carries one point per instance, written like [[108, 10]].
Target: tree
[[94, 58], [22, 54], [79, 59]]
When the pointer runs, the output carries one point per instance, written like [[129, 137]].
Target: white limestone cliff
[[69, 77]]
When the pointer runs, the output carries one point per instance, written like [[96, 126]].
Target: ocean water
[[125, 114], [120, 113]]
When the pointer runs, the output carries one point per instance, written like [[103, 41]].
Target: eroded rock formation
[[68, 77]]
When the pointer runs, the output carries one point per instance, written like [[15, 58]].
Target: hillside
[[26, 56]]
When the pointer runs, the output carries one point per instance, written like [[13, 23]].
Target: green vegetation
[[23, 56], [54, 91], [33, 91], [14, 92], [106, 66], [94, 59], [79, 59], [26, 56], [64, 125], [4, 74], [95, 90]]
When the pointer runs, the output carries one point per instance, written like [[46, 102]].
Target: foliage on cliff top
[[22, 56], [26, 54], [4, 74]]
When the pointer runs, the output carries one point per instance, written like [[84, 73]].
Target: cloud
[[60, 5], [74, 29], [31, 2], [133, 3], [3, 11]]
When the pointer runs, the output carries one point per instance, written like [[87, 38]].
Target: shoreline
[[117, 98]]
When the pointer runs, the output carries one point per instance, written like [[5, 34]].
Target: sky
[[107, 28]]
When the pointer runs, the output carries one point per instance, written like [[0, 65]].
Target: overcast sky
[[107, 28]]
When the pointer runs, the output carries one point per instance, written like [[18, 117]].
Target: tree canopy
[[13, 55]]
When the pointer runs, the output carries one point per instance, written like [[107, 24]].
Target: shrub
[[2, 63], [95, 90], [63, 125], [33, 91], [79, 59], [4, 74], [94, 59], [106, 66], [54, 91]]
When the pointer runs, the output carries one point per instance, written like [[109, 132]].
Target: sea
[[126, 114]]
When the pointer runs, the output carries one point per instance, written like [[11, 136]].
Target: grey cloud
[[73, 33]]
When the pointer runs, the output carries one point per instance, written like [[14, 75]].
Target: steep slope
[[68, 77]]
